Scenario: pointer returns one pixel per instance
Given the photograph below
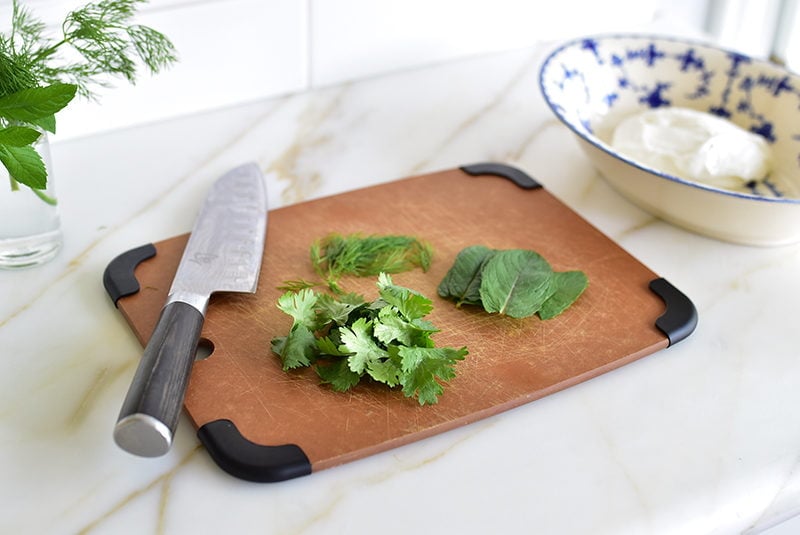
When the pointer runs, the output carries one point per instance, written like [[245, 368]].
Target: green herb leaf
[[16, 69], [338, 374], [18, 136], [47, 123], [36, 103], [296, 285], [515, 282], [297, 349], [569, 285], [337, 311], [357, 340], [24, 165], [412, 305], [462, 282], [335, 255], [390, 327], [300, 306], [37, 81], [422, 366], [102, 34], [101, 42], [330, 348], [385, 371], [153, 47]]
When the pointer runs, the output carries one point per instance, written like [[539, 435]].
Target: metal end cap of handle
[[143, 435]]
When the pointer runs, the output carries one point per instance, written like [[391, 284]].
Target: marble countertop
[[699, 438]]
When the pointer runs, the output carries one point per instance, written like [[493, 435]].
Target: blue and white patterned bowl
[[592, 83]]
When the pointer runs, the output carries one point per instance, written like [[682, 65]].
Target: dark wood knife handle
[[150, 412]]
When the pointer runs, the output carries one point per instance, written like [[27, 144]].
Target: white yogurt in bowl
[[667, 99], [694, 145]]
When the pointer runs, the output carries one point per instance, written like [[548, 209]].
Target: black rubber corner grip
[[119, 279], [246, 460], [518, 177], [679, 320]]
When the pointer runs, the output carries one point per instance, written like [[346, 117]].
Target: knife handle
[[150, 412]]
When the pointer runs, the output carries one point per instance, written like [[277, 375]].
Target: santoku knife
[[223, 254]]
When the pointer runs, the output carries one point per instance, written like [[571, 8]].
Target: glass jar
[[30, 227]]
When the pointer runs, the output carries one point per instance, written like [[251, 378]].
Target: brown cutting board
[[251, 402]]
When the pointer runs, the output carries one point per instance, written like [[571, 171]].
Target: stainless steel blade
[[227, 242]]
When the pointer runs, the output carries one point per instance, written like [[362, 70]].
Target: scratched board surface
[[510, 361]]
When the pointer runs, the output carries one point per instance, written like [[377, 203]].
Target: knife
[[223, 254]]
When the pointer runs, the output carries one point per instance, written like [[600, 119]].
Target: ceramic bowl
[[592, 83]]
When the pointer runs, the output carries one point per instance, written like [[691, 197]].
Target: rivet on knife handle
[[152, 407]]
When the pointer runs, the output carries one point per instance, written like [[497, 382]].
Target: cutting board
[[261, 423]]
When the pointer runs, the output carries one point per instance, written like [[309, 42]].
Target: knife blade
[[223, 254]]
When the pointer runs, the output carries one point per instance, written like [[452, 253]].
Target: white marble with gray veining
[[702, 438]]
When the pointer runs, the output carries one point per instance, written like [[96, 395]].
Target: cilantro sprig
[[346, 338]]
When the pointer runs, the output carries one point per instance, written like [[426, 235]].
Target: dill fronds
[[335, 255], [296, 285], [105, 39]]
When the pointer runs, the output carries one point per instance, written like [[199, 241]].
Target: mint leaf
[[462, 282], [338, 374], [357, 339], [18, 136], [300, 306], [24, 165], [421, 367], [47, 123], [37, 103], [515, 282], [569, 285]]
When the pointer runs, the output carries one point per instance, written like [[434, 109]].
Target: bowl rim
[[599, 144]]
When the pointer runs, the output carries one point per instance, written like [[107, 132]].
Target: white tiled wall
[[356, 38], [235, 51]]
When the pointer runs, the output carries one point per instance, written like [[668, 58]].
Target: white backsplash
[[234, 51], [353, 39]]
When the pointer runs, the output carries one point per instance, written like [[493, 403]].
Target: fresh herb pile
[[354, 254], [38, 79], [515, 282], [345, 338], [388, 340]]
